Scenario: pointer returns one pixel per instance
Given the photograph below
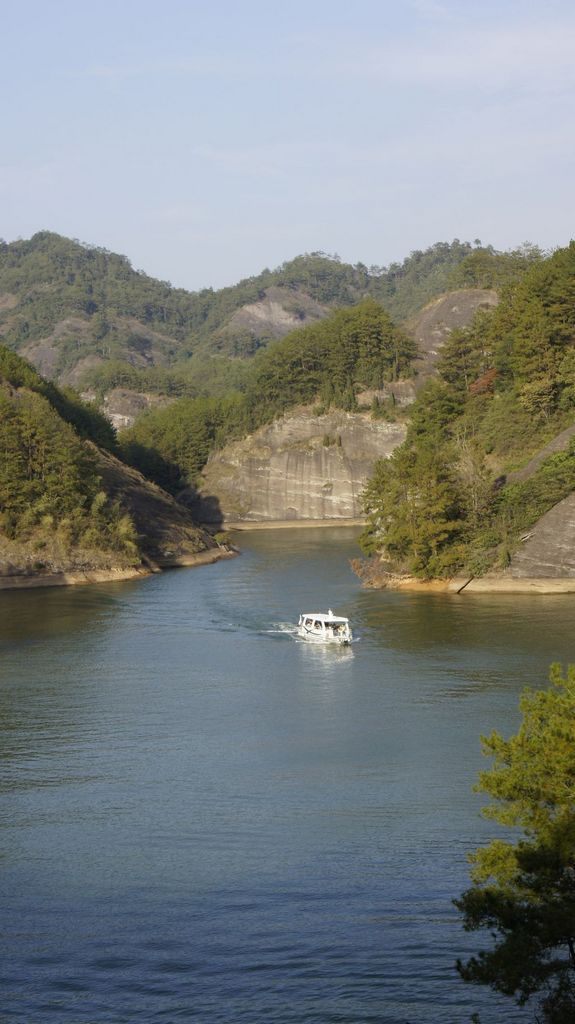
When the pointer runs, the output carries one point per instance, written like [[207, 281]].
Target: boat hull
[[313, 638]]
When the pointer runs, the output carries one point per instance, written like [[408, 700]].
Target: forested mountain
[[442, 503], [78, 312], [327, 363], [57, 512], [506, 386], [50, 490]]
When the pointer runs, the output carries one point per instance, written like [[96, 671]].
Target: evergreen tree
[[523, 893], [49, 484], [506, 387]]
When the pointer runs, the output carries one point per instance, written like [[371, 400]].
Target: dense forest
[[444, 501], [50, 489], [505, 385], [51, 497], [95, 316]]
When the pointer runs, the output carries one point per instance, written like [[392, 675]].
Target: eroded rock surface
[[302, 466], [122, 406], [279, 311], [449, 312], [548, 550]]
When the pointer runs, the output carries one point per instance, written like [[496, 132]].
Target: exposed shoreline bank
[[477, 585], [290, 524], [89, 576], [517, 585]]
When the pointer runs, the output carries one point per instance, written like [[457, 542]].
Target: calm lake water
[[205, 821]]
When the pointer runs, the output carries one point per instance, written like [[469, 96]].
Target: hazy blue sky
[[206, 141]]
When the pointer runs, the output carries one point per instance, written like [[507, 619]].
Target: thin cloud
[[205, 64], [484, 58], [26, 176], [489, 139], [537, 54], [430, 9]]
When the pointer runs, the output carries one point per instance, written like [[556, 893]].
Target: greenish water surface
[[205, 820]]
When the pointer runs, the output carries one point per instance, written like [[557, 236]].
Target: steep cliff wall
[[302, 466], [315, 467], [548, 550], [545, 562]]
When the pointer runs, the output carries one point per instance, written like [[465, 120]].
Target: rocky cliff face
[[302, 466], [305, 466], [548, 550], [452, 311], [122, 406], [279, 311]]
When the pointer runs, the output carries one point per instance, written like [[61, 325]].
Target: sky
[[208, 141]]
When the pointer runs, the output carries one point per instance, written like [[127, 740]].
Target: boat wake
[[291, 632], [282, 629]]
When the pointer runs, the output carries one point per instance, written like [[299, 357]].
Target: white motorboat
[[324, 627]]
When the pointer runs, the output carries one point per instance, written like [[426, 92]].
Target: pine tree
[[523, 893]]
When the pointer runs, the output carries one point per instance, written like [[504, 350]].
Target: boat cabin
[[324, 626]]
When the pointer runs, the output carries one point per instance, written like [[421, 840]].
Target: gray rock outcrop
[[432, 326], [548, 550], [279, 311], [302, 466]]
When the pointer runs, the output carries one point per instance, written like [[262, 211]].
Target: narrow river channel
[[204, 820]]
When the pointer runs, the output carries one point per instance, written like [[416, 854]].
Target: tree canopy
[[523, 892], [88, 302], [505, 386], [49, 483]]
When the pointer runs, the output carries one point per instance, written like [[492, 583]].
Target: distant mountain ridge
[[71, 308]]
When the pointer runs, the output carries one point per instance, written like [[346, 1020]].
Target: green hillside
[[81, 313], [67, 502], [51, 499], [506, 386]]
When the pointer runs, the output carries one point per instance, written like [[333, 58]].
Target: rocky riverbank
[[26, 579], [374, 575], [543, 563]]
